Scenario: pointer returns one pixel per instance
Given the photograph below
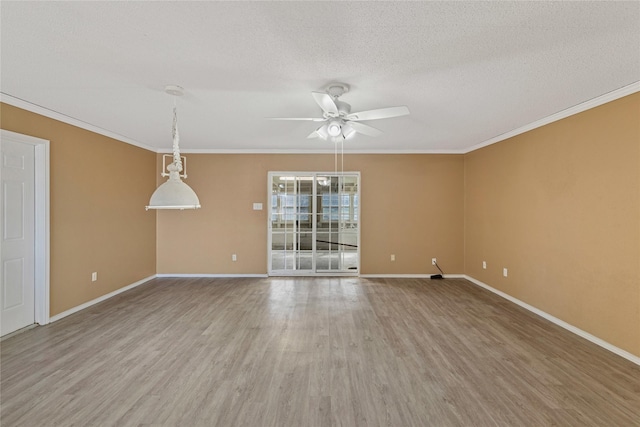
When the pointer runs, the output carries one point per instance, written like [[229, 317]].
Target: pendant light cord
[[177, 160], [335, 157]]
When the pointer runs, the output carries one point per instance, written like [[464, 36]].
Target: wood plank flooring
[[311, 352]]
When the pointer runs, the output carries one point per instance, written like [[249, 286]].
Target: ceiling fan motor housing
[[343, 108], [335, 90]]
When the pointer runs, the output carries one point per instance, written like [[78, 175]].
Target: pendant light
[[174, 194]]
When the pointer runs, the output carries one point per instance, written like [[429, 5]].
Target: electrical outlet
[[94, 276], [504, 272], [433, 261], [484, 265], [393, 257], [234, 257]]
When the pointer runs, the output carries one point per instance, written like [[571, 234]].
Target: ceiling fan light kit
[[348, 131], [334, 128], [174, 194], [340, 122]]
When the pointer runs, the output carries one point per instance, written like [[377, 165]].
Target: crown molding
[[43, 111], [579, 108], [297, 151]]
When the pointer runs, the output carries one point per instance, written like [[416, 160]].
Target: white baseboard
[[210, 275], [612, 348], [409, 276], [620, 352], [100, 299]]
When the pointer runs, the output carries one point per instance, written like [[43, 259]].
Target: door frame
[[42, 222], [313, 272]]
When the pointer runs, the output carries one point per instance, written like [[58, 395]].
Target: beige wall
[[99, 187], [559, 206], [411, 206]]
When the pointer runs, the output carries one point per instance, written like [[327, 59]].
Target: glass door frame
[[314, 213]]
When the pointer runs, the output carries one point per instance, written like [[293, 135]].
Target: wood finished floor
[[311, 352]]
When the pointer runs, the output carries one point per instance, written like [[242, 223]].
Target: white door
[[17, 198]]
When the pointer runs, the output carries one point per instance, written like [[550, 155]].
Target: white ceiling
[[468, 71]]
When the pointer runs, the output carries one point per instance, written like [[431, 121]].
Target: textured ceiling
[[468, 71]]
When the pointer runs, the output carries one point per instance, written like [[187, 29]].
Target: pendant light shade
[[174, 194]]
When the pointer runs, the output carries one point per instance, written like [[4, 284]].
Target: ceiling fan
[[340, 122]]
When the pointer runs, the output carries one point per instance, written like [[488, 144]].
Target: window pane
[[355, 207]]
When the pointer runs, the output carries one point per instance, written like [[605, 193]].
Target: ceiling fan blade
[[365, 129], [380, 113], [309, 119], [313, 135], [325, 102]]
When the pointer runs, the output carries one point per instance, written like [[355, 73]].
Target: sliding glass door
[[291, 224], [314, 223]]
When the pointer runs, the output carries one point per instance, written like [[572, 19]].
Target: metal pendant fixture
[[174, 194]]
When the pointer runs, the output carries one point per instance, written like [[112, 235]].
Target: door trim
[[42, 223]]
